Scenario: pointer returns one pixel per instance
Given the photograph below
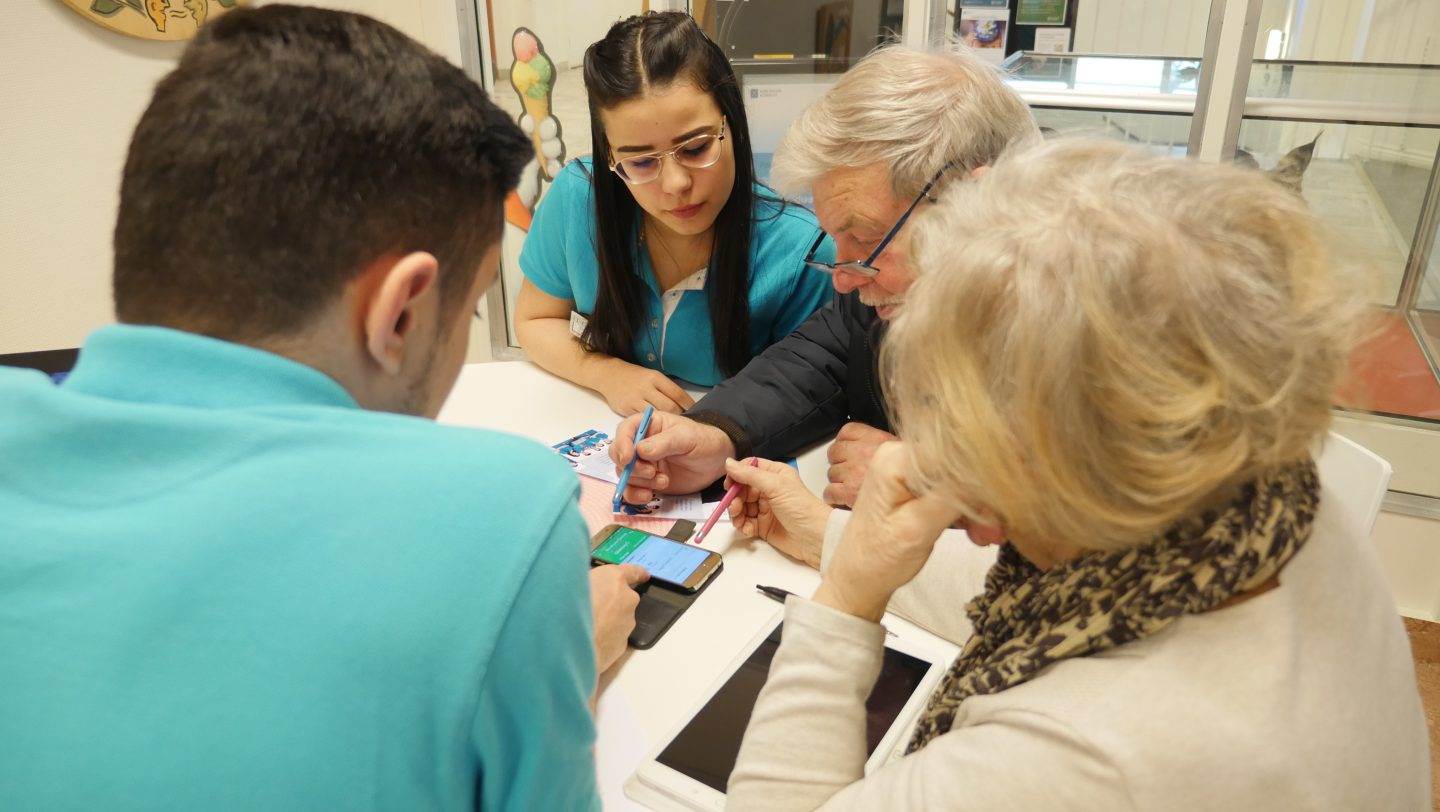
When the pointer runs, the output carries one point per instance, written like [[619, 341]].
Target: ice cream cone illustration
[[532, 74]]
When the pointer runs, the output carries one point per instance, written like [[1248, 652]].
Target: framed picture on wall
[[169, 20], [985, 30], [1040, 12]]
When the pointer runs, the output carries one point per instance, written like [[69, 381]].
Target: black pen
[[775, 593]]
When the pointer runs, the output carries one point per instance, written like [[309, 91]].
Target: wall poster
[[169, 20], [984, 30], [1040, 12]]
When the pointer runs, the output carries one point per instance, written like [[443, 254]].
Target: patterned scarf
[[1028, 618]]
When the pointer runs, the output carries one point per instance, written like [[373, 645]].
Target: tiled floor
[[1425, 644], [1390, 374], [1357, 224]]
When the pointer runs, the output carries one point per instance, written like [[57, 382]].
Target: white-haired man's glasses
[[866, 267]]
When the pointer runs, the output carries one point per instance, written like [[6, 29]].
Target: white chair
[[1353, 479]]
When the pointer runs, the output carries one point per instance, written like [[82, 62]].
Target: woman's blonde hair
[[912, 111], [1102, 341]]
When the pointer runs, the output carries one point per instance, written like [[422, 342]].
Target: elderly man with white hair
[[877, 147]]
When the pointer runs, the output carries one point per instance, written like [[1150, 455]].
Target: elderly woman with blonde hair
[[1115, 367]]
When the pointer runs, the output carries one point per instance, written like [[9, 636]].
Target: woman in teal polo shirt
[[663, 257]]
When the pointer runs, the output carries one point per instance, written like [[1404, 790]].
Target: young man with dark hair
[[227, 579]]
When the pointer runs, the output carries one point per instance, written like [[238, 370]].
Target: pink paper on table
[[596, 507]]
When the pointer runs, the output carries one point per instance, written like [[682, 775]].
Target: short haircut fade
[[289, 148]]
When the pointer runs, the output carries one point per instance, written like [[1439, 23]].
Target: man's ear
[[388, 314]]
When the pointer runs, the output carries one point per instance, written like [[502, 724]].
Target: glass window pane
[[1133, 76], [1424, 318], [1365, 182], [1394, 32], [1136, 99], [1344, 103], [787, 53]]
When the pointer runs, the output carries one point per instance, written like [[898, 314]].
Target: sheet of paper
[[686, 506], [1052, 40], [596, 509], [589, 454]]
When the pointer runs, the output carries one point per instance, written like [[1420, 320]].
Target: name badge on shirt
[[577, 324]]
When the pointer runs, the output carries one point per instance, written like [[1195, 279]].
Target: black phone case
[[660, 605], [659, 608]]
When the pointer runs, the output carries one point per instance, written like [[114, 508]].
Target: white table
[[662, 684]]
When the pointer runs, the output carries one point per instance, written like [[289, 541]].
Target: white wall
[[566, 28], [433, 22], [74, 93], [1151, 27], [65, 120], [1406, 31], [1409, 550]]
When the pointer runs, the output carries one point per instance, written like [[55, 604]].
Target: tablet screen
[[706, 749]]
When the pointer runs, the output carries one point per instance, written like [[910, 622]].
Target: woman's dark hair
[[654, 50]]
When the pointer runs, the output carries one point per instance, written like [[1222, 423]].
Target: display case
[[1150, 101], [1361, 144]]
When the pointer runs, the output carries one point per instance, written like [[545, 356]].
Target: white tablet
[[692, 767]]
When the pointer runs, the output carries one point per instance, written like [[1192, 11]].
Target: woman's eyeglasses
[[866, 267], [700, 152]]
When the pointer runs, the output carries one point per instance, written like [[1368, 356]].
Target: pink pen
[[730, 495]]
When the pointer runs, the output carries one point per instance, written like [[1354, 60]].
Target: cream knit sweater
[[1301, 698]]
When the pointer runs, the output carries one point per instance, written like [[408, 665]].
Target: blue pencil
[[630, 466]]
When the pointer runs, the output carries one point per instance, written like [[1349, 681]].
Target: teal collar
[[160, 365]]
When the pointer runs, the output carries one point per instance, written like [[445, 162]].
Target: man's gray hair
[[911, 110]]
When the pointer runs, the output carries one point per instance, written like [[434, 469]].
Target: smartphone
[[677, 565]]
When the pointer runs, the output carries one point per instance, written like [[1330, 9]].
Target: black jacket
[[805, 386]]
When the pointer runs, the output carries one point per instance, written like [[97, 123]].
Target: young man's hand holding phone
[[675, 564], [612, 601], [678, 570]]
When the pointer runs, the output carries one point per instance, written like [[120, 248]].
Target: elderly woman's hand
[[774, 505], [888, 539]]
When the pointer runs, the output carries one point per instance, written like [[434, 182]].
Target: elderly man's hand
[[888, 539], [849, 457], [677, 455], [612, 601]]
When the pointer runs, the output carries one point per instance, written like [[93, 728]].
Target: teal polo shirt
[[223, 585], [559, 257]]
